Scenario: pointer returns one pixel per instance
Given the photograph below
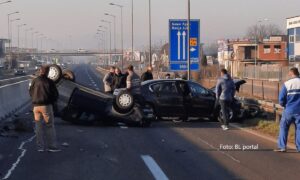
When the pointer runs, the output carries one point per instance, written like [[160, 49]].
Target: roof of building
[[293, 17]]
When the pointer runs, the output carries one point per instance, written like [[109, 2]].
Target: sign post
[[180, 58]]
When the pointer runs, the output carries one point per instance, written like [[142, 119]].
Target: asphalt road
[[189, 150]]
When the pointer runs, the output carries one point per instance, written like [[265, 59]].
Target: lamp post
[[150, 36], [108, 22], [25, 43], [19, 26], [5, 2], [32, 41], [11, 29], [188, 39], [132, 30], [8, 26], [102, 33], [256, 43], [115, 37], [122, 43]]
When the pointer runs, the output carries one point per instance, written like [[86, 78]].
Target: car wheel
[[69, 75], [55, 73], [124, 102]]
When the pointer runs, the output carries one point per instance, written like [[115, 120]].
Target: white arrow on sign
[[178, 35], [183, 44], [193, 49]]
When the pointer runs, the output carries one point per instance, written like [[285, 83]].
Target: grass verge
[[268, 127]]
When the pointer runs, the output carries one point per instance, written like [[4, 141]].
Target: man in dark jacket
[[44, 94], [147, 75], [225, 91], [119, 80]]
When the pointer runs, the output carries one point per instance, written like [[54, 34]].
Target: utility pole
[[188, 39]]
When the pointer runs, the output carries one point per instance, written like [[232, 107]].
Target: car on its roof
[[80, 104]]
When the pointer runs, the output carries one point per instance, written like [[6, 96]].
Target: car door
[[202, 101], [169, 102]]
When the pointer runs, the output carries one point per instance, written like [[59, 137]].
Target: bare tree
[[261, 31]]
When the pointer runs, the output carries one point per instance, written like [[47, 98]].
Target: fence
[[265, 72], [261, 89]]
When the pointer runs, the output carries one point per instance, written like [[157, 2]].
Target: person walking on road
[[147, 75], [44, 94], [225, 91], [108, 80], [119, 79], [289, 98]]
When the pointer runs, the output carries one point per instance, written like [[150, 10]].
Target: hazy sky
[[74, 22]]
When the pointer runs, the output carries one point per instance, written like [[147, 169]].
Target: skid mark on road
[[23, 152], [217, 149], [154, 168]]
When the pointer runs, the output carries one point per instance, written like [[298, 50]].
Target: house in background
[[293, 28]]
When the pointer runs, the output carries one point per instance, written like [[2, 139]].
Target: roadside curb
[[261, 135]]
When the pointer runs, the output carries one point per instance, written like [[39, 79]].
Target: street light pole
[[150, 38], [132, 56], [102, 33], [11, 29], [8, 27], [122, 43], [32, 41], [115, 37], [25, 43], [256, 44], [105, 38], [188, 39], [19, 26], [5, 2], [110, 57]]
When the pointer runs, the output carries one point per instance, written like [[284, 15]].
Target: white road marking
[[217, 149], [13, 78], [123, 127], [154, 168], [13, 84], [21, 147]]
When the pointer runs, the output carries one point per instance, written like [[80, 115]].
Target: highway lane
[[190, 150]]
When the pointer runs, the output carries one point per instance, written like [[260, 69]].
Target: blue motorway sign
[[178, 45]]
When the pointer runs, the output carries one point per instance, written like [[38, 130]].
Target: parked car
[[175, 98], [79, 104]]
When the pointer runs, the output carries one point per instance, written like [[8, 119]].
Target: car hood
[[237, 83]]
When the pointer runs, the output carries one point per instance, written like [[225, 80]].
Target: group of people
[[115, 79], [44, 94]]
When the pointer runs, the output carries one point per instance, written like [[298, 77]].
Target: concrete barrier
[[13, 97]]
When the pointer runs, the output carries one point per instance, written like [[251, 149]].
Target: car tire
[[55, 73], [124, 102], [69, 75]]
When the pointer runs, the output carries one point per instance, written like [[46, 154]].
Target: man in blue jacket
[[225, 91], [289, 98]]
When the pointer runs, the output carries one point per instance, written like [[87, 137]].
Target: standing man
[[289, 98], [133, 81], [44, 94], [108, 80], [225, 91], [147, 75]]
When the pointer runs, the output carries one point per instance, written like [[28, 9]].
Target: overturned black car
[[79, 104]]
